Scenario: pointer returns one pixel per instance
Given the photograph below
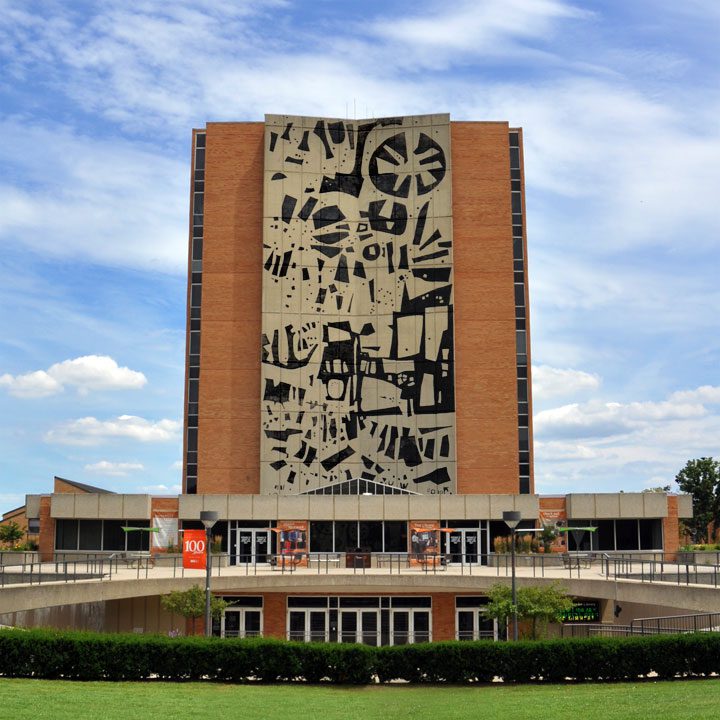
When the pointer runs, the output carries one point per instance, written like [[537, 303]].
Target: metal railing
[[662, 625], [94, 566]]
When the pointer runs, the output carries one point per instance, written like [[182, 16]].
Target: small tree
[[11, 533], [539, 605], [191, 603], [701, 479]]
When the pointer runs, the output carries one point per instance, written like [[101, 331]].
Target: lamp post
[[208, 518], [512, 518]]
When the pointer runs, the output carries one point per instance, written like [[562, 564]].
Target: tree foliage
[[701, 479], [11, 533], [538, 605], [191, 603]]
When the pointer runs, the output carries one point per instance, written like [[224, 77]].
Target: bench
[[139, 557]]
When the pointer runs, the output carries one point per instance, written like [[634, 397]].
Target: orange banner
[[292, 538], [424, 542], [194, 550]]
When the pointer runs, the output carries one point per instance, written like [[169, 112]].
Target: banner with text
[[194, 549]]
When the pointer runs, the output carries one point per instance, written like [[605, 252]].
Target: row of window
[[92, 535], [193, 349], [616, 535], [368, 620], [521, 350]]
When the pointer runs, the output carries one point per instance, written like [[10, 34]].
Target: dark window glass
[[138, 540], [650, 534], [321, 536], [200, 140], [514, 157], [199, 159], [252, 523], [66, 535], [191, 485], [346, 537], [195, 295], [522, 388], [193, 386], [307, 602], [515, 185], [359, 602], [198, 203], [519, 294], [33, 525], [194, 343], [252, 622], [113, 535], [514, 139], [626, 534], [523, 439], [520, 341], [466, 624], [90, 535], [396, 538], [421, 626], [604, 538], [524, 485], [410, 602], [192, 439], [470, 601], [516, 202], [371, 536], [514, 173], [197, 248]]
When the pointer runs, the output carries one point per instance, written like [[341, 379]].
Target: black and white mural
[[357, 345]]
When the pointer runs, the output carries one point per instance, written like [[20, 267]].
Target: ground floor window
[[243, 618], [471, 623], [370, 620]]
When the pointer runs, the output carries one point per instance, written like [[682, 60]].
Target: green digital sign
[[585, 611]]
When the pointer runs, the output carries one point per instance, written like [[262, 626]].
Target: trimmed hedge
[[96, 656]]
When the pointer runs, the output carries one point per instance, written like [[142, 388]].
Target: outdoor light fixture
[[208, 518], [512, 519]]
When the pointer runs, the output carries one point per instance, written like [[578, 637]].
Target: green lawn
[[37, 699]]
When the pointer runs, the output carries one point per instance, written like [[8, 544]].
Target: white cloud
[[31, 385], [91, 431], [105, 467], [161, 489], [706, 394], [177, 465], [90, 372], [550, 382]]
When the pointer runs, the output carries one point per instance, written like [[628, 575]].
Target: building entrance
[[466, 545], [360, 626], [241, 623], [252, 545]]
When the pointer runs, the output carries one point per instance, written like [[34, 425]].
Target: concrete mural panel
[[357, 346]]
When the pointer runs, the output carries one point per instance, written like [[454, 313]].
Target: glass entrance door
[[464, 545], [252, 545], [359, 626], [308, 625], [242, 623]]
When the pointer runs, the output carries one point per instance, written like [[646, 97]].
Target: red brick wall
[[47, 530], [671, 528], [485, 372]]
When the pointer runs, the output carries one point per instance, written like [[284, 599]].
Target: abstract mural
[[357, 344]]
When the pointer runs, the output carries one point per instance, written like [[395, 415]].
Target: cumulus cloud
[[91, 431], [105, 467], [161, 489], [550, 381], [90, 372]]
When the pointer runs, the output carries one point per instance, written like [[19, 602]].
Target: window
[[66, 535], [396, 538], [90, 535]]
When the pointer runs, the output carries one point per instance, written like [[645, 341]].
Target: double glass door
[[466, 545], [473, 624], [252, 545], [409, 626], [308, 625], [360, 626], [241, 623]]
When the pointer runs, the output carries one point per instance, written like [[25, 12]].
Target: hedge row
[[93, 656]]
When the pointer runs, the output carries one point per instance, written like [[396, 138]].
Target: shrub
[[95, 656]]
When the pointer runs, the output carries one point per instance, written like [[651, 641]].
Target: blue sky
[[619, 103]]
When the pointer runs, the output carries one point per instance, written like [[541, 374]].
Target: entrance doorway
[[252, 545], [360, 626], [241, 623], [308, 625], [466, 545]]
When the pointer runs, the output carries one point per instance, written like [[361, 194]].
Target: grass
[[57, 699]]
